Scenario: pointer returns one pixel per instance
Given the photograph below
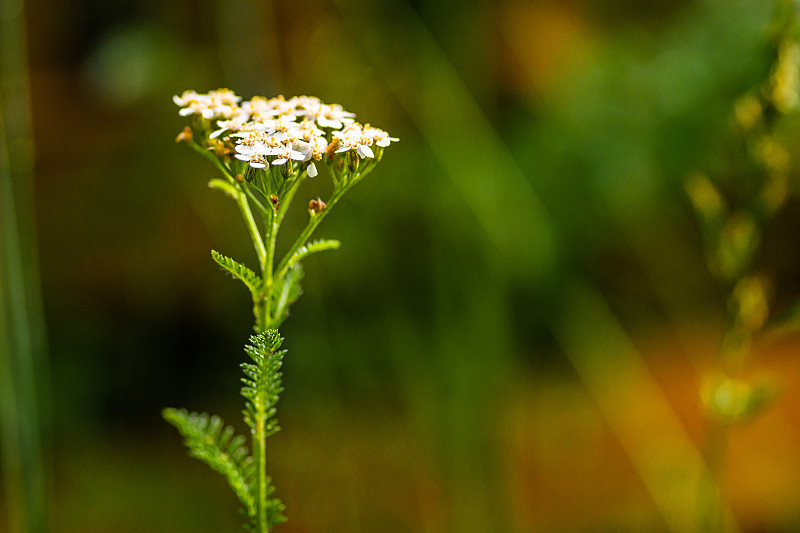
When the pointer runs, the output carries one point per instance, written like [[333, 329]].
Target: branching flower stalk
[[734, 206], [264, 150]]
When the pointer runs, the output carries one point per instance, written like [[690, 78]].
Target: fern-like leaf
[[209, 440], [285, 292], [251, 280], [262, 381], [225, 187], [262, 386], [314, 247]]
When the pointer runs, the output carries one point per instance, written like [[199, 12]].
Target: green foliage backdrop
[[515, 337]]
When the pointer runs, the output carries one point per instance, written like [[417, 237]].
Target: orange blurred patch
[[542, 39]]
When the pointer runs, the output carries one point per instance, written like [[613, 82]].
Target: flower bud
[[315, 207], [185, 135]]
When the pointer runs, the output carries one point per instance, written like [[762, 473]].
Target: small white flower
[[222, 103], [185, 99], [264, 109], [353, 138], [364, 151], [253, 154], [237, 123], [283, 127], [255, 146], [286, 153], [328, 116], [380, 137]]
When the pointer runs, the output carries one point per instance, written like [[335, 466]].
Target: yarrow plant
[[265, 148]]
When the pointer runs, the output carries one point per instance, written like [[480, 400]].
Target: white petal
[[186, 111], [178, 100], [279, 161], [256, 164], [272, 150], [242, 157], [364, 151], [312, 170]]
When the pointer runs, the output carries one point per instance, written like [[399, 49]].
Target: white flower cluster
[[214, 104], [276, 130]]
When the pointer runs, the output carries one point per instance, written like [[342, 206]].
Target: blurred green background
[[513, 333]]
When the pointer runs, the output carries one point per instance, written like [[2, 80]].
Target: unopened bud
[[185, 135], [315, 207], [330, 151]]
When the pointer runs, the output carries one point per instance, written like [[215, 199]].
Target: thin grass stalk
[[22, 344]]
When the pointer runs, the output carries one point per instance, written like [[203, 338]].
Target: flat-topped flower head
[[274, 131]]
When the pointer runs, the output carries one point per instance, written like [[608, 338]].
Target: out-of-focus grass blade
[[466, 145], [22, 342], [634, 405], [493, 186]]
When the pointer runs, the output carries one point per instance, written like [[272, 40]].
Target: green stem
[[287, 198], [307, 231], [211, 156], [253, 198], [252, 227], [241, 200], [272, 233], [260, 452]]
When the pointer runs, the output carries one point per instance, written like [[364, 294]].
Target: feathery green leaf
[[263, 380], [224, 186], [314, 247], [209, 440], [285, 292], [253, 282]]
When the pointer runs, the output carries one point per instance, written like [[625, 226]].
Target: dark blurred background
[[514, 331]]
